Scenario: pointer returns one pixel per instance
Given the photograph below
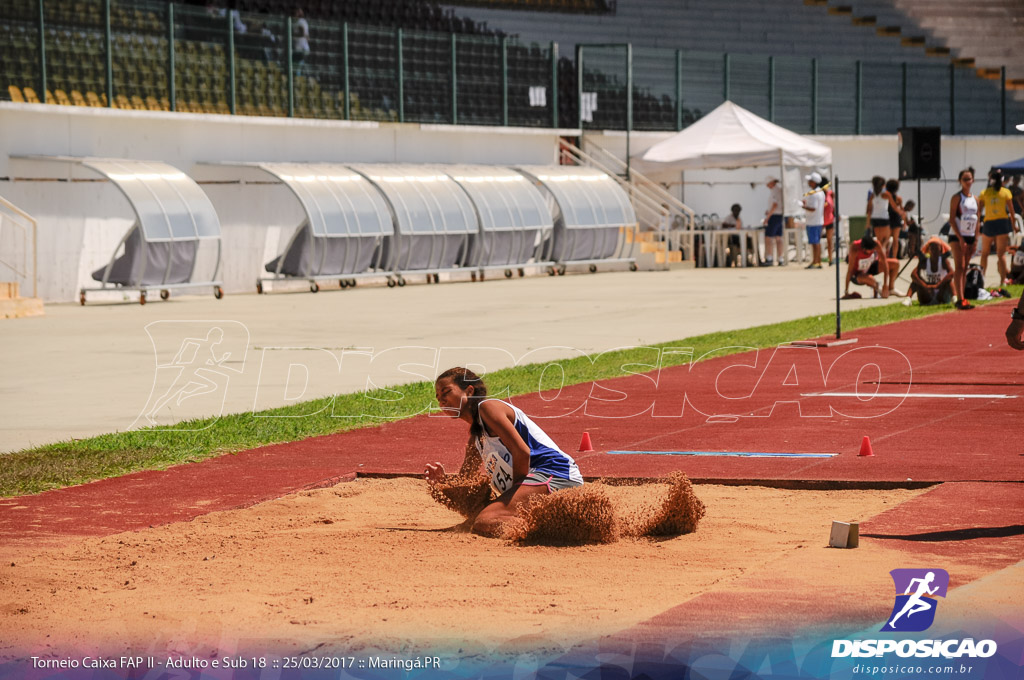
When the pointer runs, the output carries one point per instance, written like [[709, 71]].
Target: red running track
[[926, 439]]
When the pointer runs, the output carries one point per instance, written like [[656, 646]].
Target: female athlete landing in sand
[[520, 459]]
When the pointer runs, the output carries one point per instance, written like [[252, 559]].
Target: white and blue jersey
[[545, 456]]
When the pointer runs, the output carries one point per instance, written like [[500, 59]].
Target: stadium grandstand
[[800, 64]]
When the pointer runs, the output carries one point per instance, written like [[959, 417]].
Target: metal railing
[[18, 237], [141, 54]]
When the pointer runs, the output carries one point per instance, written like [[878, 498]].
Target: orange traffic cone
[[865, 447], [585, 444]]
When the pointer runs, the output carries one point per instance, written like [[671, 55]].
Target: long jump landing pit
[[366, 566]]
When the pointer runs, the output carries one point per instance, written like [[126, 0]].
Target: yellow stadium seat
[[92, 99], [61, 98], [15, 93], [138, 104], [77, 99], [121, 102]]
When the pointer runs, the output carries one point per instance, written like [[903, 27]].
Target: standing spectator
[[879, 202], [913, 229], [814, 204], [997, 217], [300, 40], [896, 216], [933, 275], [963, 225], [773, 223], [830, 215], [1018, 195]]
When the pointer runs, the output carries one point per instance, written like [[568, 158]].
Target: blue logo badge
[[916, 590]]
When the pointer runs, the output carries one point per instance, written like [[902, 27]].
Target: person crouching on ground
[[933, 276], [866, 260], [520, 459]]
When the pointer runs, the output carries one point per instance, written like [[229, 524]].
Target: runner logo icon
[[916, 590]]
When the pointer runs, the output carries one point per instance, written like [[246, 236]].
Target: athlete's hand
[[434, 473]]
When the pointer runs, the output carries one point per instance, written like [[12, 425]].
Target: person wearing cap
[[867, 259], [933, 276], [814, 204], [773, 222]]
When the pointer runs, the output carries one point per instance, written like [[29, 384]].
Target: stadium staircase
[[654, 206], [984, 36]]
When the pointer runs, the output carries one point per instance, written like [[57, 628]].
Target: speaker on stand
[[920, 156]]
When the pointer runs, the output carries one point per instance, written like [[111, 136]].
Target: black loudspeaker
[[920, 152]]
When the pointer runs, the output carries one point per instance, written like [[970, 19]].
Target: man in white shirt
[[814, 204]]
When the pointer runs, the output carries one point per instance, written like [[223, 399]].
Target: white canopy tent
[[731, 137]]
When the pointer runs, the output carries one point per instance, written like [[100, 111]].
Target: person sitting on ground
[[933, 276], [521, 460], [814, 204], [866, 260]]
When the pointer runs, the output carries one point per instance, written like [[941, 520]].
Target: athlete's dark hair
[[877, 184], [463, 377], [967, 169], [995, 176], [892, 186]]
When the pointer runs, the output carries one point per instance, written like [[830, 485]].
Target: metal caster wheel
[[218, 292], [561, 270], [351, 283], [522, 273], [343, 284], [391, 282], [142, 298], [552, 271], [593, 268], [81, 298], [401, 282], [259, 288], [164, 294], [633, 267], [437, 278], [508, 273], [314, 287]]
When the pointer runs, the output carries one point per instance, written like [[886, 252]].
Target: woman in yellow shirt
[[996, 209]]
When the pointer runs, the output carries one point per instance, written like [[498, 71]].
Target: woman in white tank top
[[963, 227], [879, 201]]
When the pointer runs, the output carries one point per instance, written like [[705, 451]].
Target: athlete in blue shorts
[[520, 459]]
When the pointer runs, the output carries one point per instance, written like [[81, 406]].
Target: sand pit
[[372, 564]]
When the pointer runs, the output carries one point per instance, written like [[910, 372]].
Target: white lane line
[[917, 395]]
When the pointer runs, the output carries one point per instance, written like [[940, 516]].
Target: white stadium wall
[[80, 223]]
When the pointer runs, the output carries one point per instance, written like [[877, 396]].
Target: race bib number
[[864, 265], [968, 225], [498, 465]]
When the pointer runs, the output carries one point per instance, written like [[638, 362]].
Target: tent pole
[[835, 220]]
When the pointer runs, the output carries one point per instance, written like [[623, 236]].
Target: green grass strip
[[78, 461]]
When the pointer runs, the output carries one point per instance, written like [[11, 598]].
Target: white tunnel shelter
[[514, 218], [346, 222], [591, 214], [434, 217], [173, 217]]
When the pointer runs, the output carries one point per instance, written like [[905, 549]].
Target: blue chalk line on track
[[735, 454]]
